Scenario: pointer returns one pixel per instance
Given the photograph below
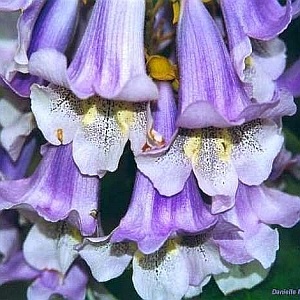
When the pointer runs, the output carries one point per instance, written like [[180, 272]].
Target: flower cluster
[[196, 91]]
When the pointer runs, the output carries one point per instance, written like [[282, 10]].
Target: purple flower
[[110, 59], [50, 283], [256, 208], [42, 25], [151, 218], [290, 79], [210, 92], [56, 190], [182, 264], [219, 157], [261, 23], [16, 123], [99, 128]]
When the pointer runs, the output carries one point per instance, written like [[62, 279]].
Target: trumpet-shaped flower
[[99, 128], [110, 59], [170, 272], [52, 194], [210, 92], [219, 157], [244, 276], [55, 250], [251, 19], [255, 208], [16, 123], [42, 24], [151, 218]]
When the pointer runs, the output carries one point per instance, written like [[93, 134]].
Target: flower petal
[[165, 272], [261, 21], [16, 268], [106, 126], [203, 258], [275, 207], [151, 219], [52, 194], [57, 112], [241, 277], [49, 283], [173, 163], [110, 59], [255, 146], [55, 249], [106, 260]]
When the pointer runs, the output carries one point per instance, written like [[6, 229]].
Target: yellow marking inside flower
[[90, 112], [125, 117], [192, 145], [248, 61], [160, 68], [169, 247], [175, 85], [224, 145], [206, 1], [176, 10], [60, 135], [75, 234]]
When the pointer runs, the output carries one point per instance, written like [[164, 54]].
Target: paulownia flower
[[181, 264], [151, 218], [56, 191], [219, 157], [55, 249], [41, 25], [256, 208], [16, 123], [290, 79], [252, 27], [210, 92], [99, 128], [110, 59]]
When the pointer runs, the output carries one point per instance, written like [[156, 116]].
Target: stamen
[[94, 213], [176, 10], [60, 134]]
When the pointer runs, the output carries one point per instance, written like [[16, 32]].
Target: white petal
[[51, 246], [14, 136], [203, 259], [212, 162], [57, 111], [241, 277], [100, 141], [255, 146], [168, 171], [106, 260], [161, 275]]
